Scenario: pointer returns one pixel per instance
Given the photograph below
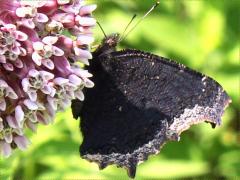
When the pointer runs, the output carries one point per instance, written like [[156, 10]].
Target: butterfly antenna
[[140, 20], [102, 29], [134, 16]]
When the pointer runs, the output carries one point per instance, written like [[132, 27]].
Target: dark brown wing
[[139, 102]]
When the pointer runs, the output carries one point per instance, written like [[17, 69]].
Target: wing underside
[[139, 102]]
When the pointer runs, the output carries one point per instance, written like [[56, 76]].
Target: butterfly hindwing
[[139, 102]]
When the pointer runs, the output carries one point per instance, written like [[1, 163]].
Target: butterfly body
[[139, 102]]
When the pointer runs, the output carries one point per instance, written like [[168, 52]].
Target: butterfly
[[139, 102]]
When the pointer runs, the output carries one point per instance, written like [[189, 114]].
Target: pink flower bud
[[68, 20], [49, 7], [21, 142]]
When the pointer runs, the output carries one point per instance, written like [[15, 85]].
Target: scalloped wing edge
[[190, 117]]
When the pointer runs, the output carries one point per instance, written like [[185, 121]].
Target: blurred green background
[[198, 33]]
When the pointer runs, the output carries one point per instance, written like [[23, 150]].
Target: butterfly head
[[112, 40], [108, 44]]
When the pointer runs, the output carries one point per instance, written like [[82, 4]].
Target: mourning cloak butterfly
[[139, 102]]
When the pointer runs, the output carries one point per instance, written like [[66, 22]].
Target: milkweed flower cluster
[[39, 65]]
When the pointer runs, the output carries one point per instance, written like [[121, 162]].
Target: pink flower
[[43, 51], [36, 77], [30, 16], [11, 47], [6, 92]]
